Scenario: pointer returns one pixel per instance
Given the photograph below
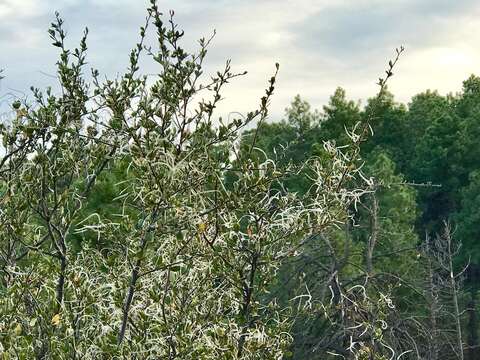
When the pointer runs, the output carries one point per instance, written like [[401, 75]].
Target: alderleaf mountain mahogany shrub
[[181, 269]]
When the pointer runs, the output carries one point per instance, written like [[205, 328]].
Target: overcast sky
[[319, 44]]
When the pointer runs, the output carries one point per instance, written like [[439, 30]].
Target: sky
[[319, 44]]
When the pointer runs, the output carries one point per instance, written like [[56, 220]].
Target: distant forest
[[423, 158]]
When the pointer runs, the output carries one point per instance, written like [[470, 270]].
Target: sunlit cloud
[[319, 44]]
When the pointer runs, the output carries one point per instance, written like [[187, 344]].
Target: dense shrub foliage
[[132, 225], [136, 223]]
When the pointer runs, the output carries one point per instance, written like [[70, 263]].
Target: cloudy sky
[[320, 44]]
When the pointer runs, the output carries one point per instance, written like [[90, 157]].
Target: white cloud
[[18, 9], [319, 44]]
